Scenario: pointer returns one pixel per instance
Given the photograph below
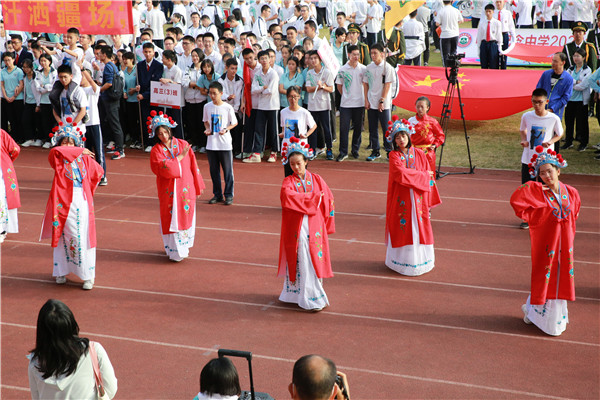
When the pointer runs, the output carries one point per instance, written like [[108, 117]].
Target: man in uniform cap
[[579, 29], [352, 38]]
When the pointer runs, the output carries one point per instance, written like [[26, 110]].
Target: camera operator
[[316, 378]]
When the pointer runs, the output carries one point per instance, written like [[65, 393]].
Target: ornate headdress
[[397, 125], [70, 130], [157, 119], [543, 156], [295, 146]]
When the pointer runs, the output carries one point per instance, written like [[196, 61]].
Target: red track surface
[[456, 332]]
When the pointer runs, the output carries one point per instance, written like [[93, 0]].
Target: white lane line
[[271, 266], [214, 348], [327, 312], [209, 351], [19, 388], [265, 308]]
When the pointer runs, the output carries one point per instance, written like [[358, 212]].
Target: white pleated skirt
[[73, 253], [413, 259], [307, 291], [552, 317]]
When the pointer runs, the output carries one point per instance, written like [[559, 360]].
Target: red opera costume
[[552, 218], [9, 186], [307, 218], [178, 182], [412, 192], [69, 217], [428, 133]]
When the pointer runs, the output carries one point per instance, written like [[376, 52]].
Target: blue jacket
[[560, 95]]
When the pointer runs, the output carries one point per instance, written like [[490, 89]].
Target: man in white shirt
[[173, 74], [310, 31], [319, 86], [155, 20], [233, 94], [260, 28], [266, 85], [414, 35], [489, 39], [349, 82], [373, 21], [523, 9], [377, 83], [194, 29], [207, 26], [508, 27], [448, 19]]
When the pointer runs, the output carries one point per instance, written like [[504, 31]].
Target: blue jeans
[[382, 117], [218, 159], [356, 115]]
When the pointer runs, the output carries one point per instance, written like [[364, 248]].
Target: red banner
[[90, 17], [486, 93], [534, 53]]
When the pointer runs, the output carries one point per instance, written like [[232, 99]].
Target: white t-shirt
[[79, 97], [539, 130], [374, 76], [351, 79], [449, 18], [219, 117], [92, 108], [319, 100], [376, 14], [235, 87], [295, 123], [155, 20]]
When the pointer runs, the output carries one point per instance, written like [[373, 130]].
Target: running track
[[456, 332]]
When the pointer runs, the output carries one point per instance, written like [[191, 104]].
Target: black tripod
[[453, 86]]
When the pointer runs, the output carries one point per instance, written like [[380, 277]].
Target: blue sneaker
[[329, 155], [374, 155]]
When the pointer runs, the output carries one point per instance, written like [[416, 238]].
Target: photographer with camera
[[316, 378]]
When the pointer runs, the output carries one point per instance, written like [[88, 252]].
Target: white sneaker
[[88, 285], [61, 280], [148, 149], [254, 158], [38, 143], [319, 152], [27, 143], [202, 150], [110, 145], [337, 113], [47, 145], [525, 319]]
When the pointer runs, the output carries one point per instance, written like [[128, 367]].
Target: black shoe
[[582, 147], [597, 152], [597, 157], [369, 147], [566, 146], [341, 157], [374, 155], [215, 200], [228, 201], [355, 154]]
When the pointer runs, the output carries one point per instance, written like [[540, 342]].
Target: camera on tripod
[[453, 60]]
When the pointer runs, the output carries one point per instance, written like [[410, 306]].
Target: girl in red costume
[[9, 187], [428, 132], [69, 217], [551, 209], [411, 193], [179, 182], [307, 218]]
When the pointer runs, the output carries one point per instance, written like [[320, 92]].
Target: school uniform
[[268, 105], [176, 75], [11, 112], [147, 73], [93, 134], [489, 40], [235, 87], [319, 104], [508, 26], [376, 76], [352, 105]]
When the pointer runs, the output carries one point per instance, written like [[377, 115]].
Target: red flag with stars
[[248, 83], [486, 93]]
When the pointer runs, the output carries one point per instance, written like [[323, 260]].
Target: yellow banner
[[397, 11]]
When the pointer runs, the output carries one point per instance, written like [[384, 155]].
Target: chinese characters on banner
[[90, 17], [165, 94], [551, 39]]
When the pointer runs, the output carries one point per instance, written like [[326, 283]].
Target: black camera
[[453, 60], [340, 382]]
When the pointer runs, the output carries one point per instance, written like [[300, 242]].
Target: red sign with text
[[90, 17]]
